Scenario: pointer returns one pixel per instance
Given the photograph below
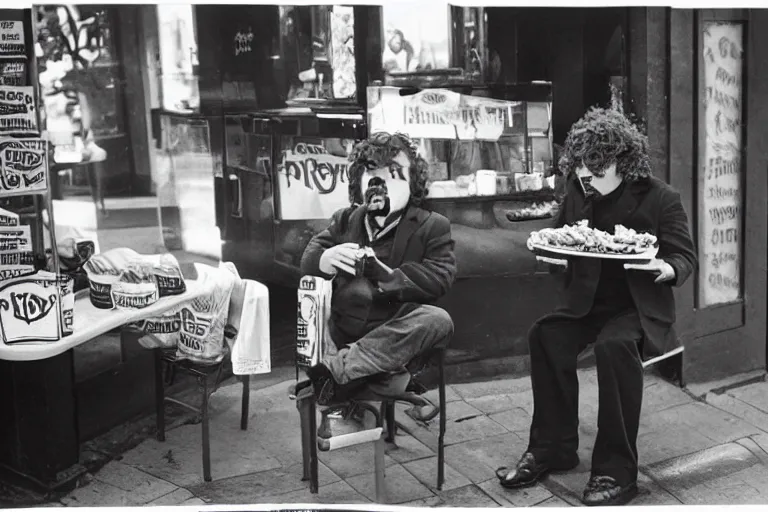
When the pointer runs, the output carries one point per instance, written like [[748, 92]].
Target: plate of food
[[536, 211], [625, 244]]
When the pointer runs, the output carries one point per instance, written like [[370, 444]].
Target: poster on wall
[[720, 170], [18, 112], [23, 166], [313, 181], [13, 72], [12, 39]]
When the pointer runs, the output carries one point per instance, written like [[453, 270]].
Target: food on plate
[[580, 237], [535, 211]]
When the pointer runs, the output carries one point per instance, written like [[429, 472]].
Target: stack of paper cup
[[486, 182]]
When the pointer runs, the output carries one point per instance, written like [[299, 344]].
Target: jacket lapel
[[412, 219]]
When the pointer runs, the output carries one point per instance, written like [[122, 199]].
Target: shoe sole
[[622, 499]]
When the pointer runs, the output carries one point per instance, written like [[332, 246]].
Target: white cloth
[[249, 314]]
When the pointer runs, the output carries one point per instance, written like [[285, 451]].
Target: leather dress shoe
[[605, 491], [529, 470]]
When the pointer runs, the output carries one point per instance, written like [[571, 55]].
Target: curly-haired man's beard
[[377, 198]]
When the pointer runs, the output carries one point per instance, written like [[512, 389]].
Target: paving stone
[[746, 487], [554, 501], [178, 460], [450, 395], [740, 409], [514, 420], [285, 448], [401, 486], [659, 394], [99, 494], [332, 494], [526, 497], [702, 418], [478, 460], [657, 446], [762, 441], [570, 482], [425, 471], [352, 460], [700, 467], [407, 448], [176, 497], [142, 486], [493, 387], [492, 404], [258, 487], [755, 395], [466, 497]]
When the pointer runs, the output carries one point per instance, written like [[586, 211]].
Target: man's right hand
[[343, 257]]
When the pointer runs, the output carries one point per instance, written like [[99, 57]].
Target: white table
[[91, 322]]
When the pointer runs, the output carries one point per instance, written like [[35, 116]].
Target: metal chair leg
[[159, 395], [206, 433], [441, 434], [680, 376], [304, 410], [389, 415], [246, 402], [313, 470]]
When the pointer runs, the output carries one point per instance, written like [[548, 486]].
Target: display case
[[489, 151]]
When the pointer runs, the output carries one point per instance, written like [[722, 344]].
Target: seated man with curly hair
[[382, 317], [626, 311]]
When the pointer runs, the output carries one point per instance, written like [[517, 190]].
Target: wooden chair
[[386, 396]]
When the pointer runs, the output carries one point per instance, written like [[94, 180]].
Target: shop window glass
[[317, 52], [416, 37], [178, 57], [720, 170]]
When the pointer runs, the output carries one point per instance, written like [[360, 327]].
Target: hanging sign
[[18, 113], [12, 39], [13, 72], [23, 166]]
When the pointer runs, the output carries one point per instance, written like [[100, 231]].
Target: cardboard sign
[[314, 303], [13, 72], [30, 310], [18, 112], [12, 39], [313, 183], [23, 166], [15, 239]]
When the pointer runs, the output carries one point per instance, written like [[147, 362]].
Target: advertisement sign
[[30, 310], [312, 182], [13, 72], [12, 39], [438, 114], [18, 112], [23, 166]]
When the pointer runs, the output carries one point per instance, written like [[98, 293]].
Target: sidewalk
[[692, 452]]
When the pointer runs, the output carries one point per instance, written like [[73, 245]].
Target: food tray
[[554, 252], [526, 219]]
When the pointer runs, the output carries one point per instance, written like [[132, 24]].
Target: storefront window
[[417, 37], [720, 163], [318, 52], [178, 57]]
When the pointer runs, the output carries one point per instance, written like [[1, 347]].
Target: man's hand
[[375, 270], [343, 257], [544, 259], [664, 270]]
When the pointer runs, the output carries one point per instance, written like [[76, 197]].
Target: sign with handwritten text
[[23, 166], [30, 310], [13, 72], [12, 39], [312, 183], [720, 164], [18, 113]]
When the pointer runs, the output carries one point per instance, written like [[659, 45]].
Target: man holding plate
[[627, 310]]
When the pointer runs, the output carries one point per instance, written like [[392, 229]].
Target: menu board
[[13, 72], [23, 166], [18, 113], [12, 39], [720, 164]]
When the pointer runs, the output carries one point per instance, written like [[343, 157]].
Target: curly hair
[[377, 151], [604, 137]]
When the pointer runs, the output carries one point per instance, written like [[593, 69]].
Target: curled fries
[[580, 237]]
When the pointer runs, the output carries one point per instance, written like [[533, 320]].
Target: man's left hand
[[375, 270], [664, 270]]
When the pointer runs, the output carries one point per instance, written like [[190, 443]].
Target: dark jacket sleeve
[[327, 238], [430, 279], [675, 242]]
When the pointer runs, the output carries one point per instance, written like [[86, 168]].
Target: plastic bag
[[103, 272], [136, 287], [203, 319]]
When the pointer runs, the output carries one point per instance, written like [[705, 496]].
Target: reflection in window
[[178, 56], [416, 37]]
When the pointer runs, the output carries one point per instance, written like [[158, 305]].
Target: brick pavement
[[693, 451]]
